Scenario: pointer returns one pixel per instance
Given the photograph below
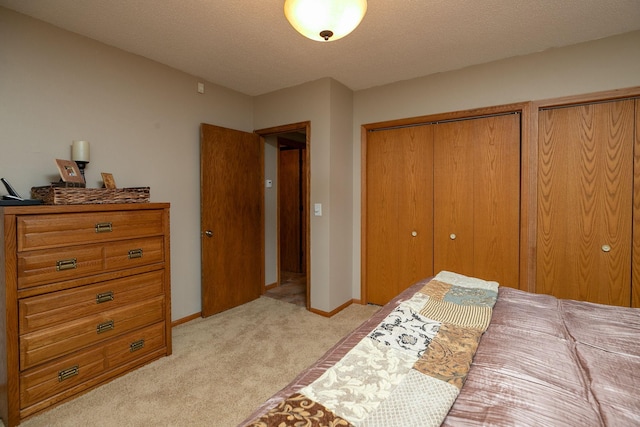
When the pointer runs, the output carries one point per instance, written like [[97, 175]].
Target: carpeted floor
[[221, 369]]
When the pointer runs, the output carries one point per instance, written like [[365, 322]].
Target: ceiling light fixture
[[325, 20]]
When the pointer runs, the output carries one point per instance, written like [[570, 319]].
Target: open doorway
[[287, 213]]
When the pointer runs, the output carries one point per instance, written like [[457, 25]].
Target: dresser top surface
[[49, 209]]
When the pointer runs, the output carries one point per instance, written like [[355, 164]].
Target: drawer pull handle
[[66, 264], [136, 345], [135, 253], [104, 227], [65, 374], [104, 297], [104, 327]]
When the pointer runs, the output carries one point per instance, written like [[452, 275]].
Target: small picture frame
[[69, 171], [108, 180]]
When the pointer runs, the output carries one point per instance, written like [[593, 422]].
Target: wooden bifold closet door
[[585, 202], [399, 210], [442, 196], [477, 198]]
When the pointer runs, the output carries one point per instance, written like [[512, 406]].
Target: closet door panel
[[453, 198], [585, 189], [399, 221], [477, 198], [496, 198]]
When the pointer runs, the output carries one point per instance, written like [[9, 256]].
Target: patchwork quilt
[[407, 371]]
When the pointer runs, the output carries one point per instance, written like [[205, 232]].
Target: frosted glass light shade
[[325, 20]]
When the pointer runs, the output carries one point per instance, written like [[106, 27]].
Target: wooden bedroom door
[[399, 210], [291, 208], [477, 198], [231, 206], [585, 202]]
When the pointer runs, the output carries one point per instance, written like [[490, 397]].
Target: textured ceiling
[[249, 46]]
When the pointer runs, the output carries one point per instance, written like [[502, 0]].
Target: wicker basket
[[55, 195]]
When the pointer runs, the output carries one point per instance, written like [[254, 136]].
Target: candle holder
[[81, 165], [80, 154]]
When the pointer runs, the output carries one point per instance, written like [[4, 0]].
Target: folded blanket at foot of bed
[[408, 370]]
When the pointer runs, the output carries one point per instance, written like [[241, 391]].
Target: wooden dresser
[[85, 297]]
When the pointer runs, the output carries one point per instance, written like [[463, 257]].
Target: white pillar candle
[[80, 151]]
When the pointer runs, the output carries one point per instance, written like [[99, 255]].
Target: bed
[[459, 351]]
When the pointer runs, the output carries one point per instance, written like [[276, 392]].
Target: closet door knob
[[208, 233], [606, 248], [414, 233], [452, 236]]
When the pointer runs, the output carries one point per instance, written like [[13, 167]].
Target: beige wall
[[342, 195], [271, 211], [605, 64], [142, 119], [326, 104]]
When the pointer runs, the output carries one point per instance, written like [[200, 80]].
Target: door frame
[[284, 129]]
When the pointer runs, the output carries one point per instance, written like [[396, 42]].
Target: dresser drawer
[[133, 253], [134, 345], [49, 343], [51, 309], [58, 230], [53, 378], [47, 266], [55, 265], [43, 382]]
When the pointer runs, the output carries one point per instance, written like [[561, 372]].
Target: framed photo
[[108, 180], [69, 171]]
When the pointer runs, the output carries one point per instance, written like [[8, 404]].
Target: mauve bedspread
[[550, 362], [542, 362]]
